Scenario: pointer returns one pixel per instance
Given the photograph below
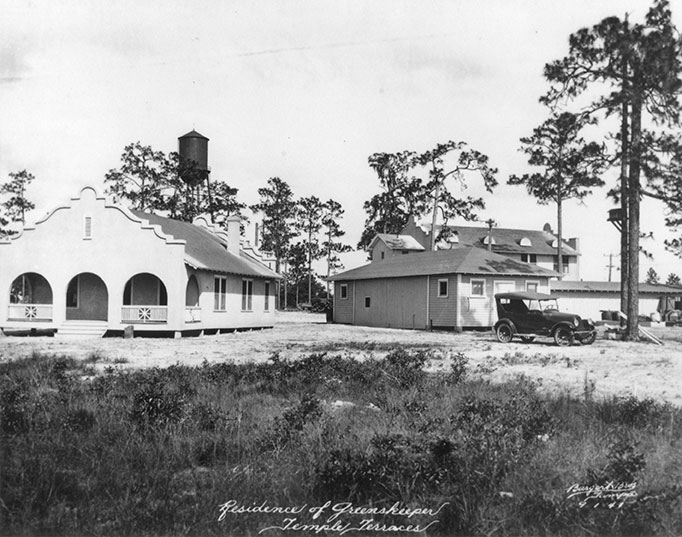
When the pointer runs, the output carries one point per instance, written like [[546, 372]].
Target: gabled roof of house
[[508, 240], [397, 242], [612, 287], [475, 261], [206, 251]]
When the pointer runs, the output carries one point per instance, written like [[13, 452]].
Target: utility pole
[[611, 266]]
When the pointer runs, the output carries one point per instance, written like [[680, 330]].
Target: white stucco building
[[92, 267]]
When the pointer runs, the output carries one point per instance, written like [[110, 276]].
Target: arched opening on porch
[[145, 300], [30, 298], [192, 309], [87, 298]]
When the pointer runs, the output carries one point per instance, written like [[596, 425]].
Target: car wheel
[[563, 336], [528, 339], [504, 333], [589, 339]]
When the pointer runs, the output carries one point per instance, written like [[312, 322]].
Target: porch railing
[[30, 312], [144, 314], [192, 314]]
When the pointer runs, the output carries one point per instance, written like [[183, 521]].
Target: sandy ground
[[611, 367]]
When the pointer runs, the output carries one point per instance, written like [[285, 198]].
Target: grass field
[[443, 432]]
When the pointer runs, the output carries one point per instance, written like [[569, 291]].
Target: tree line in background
[[291, 228], [405, 194], [298, 233], [150, 180], [653, 277], [618, 74]]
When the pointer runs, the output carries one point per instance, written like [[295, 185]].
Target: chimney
[[255, 239], [233, 235]]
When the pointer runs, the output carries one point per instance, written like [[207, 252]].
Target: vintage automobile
[[529, 315]]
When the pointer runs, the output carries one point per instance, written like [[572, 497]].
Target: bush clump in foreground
[[157, 451]]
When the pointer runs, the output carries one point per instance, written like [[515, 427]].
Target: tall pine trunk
[[624, 221], [634, 193], [310, 267], [559, 224], [624, 198]]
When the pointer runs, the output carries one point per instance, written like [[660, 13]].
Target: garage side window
[[477, 287], [442, 288], [344, 291]]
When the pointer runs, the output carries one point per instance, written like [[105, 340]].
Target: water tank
[[193, 150]]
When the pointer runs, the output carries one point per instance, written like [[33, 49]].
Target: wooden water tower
[[194, 170]]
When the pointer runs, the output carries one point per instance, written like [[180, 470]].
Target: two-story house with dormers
[[537, 247]]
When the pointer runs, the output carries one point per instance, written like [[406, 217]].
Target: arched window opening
[[145, 300], [192, 309], [30, 298]]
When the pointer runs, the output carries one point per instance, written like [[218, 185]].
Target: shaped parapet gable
[[90, 203]]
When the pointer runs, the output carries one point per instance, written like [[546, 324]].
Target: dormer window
[[87, 228], [555, 243], [488, 239], [525, 241]]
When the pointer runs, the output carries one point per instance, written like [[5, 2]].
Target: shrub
[[458, 371], [406, 368], [155, 404], [14, 409]]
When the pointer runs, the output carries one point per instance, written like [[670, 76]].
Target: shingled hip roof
[[205, 251], [508, 240], [475, 261]]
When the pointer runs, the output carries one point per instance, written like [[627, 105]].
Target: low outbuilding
[[599, 299]]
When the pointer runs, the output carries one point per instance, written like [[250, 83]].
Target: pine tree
[[439, 195], [279, 211], [331, 246], [652, 276], [309, 223], [673, 279], [571, 166], [628, 71], [17, 204]]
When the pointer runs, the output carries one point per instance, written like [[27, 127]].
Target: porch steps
[[81, 329]]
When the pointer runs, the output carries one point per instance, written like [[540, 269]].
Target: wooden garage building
[[446, 289]]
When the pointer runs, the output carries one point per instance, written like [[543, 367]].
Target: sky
[[301, 90]]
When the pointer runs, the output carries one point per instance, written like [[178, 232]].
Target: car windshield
[[549, 304]]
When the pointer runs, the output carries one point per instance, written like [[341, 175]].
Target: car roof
[[525, 295]]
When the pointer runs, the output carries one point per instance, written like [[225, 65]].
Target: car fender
[[505, 321], [564, 324]]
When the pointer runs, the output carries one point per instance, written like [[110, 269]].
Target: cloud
[[417, 59]]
